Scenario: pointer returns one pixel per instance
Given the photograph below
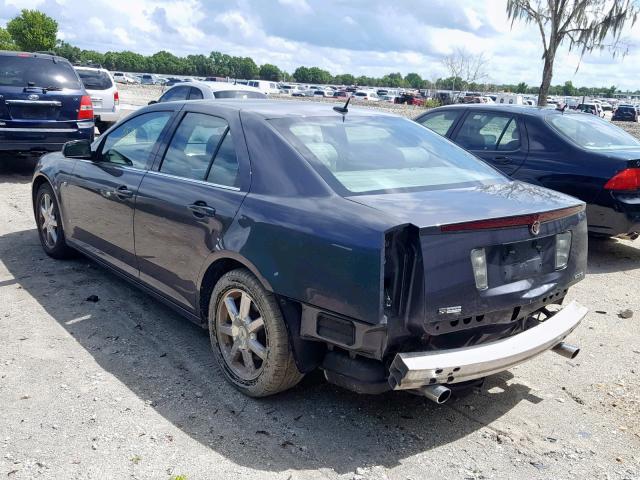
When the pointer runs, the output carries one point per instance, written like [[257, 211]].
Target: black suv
[[43, 103], [626, 112]]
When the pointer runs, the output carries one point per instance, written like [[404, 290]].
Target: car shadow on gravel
[[165, 360], [608, 255]]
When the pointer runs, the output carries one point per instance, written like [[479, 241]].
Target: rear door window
[[485, 131], [132, 143], [175, 94], [224, 170], [24, 71], [195, 94], [440, 122], [193, 146]]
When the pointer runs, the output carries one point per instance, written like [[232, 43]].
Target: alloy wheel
[[241, 334], [48, 220]]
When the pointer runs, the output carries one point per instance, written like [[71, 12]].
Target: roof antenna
[[343, 110]]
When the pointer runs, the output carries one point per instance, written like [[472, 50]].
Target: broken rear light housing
[[626, 180]]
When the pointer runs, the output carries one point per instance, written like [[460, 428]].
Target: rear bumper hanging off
[[411, 370]]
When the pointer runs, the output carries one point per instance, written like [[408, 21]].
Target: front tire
[[49, 224], [249, 337]]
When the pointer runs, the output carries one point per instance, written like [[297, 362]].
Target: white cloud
[[364, 37]]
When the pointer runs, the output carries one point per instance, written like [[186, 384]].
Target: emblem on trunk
[[450, 310], [33, 96], [535, 228]]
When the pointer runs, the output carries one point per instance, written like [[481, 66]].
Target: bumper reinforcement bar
[[411, 370]]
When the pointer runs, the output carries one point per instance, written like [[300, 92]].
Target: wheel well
[[37, 182], [215, 271]]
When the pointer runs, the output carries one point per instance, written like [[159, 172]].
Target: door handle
[[123, 192], [502, 160], [202, 210]]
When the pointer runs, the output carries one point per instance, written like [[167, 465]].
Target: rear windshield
[[382, 154], [238, 94], [95, 79], [18, 71], [589, 131]]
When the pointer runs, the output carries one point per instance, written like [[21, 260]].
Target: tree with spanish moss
[[583, 25]]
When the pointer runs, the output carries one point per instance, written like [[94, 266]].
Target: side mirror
[[152, 102], [77, 149]]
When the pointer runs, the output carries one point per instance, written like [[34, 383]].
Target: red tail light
[[517, 221], [85, 112], [116, 97], [628, 179]]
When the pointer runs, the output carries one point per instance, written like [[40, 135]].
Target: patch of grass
[[178, 477], [136, 459]]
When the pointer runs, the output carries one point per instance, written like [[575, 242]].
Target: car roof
[[528, 110], [11, 53], [220, 86], [289, 108]]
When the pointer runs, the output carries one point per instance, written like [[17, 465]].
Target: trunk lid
[[521, 269], [433, 208]]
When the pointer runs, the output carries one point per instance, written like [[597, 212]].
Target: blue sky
[[364, 37]]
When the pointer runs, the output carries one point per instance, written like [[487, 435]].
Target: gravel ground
[[125, 388]]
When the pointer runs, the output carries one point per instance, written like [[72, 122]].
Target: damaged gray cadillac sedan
[[304, 236]]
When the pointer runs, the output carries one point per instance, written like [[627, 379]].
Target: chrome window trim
[[45, 130], [192, 180], [50, 103]]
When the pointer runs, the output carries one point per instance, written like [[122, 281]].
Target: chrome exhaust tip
[[436, 393], [566, 350]]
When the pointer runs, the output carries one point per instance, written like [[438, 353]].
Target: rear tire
[[249, 337], [49, 224]]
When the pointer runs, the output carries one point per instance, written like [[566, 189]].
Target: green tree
[[521, 87], [585, 25], [344, 79], [246, 68], [414, 80], [6, 42], [302, 75], [33, 30], [270, 72], [568, 89], [392, 80]]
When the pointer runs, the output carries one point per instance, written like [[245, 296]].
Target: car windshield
[[591, 132], [19, 71], [95, 79], [238, 94], [366, 154]]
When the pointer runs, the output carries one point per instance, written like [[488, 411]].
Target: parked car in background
[[121, 77], [43, 104], [307, 237], [570, 152], [408, 98], [341, 94], [208, 91], [366, 95], [592, 108], [626, 113], [148, 79], [264, 86], [171, 81], [302, 92], [104, 95]]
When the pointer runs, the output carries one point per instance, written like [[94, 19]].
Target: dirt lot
[[125, 388]]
